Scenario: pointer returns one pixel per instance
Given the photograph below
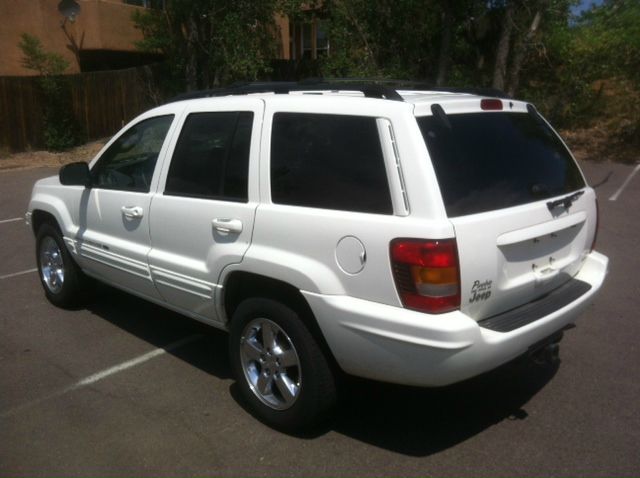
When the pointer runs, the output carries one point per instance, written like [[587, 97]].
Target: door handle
[[132, 212], [227, 225]]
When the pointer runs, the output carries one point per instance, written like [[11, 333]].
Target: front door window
[[129, 162]]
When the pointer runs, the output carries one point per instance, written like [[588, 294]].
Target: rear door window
[[488, 161], [211, 159], [330, 162]]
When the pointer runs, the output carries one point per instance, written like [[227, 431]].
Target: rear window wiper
[[438, 112], [566, 201]]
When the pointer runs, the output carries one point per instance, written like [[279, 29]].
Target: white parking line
[[14, 219], [96, 377], [133, 362], [624, 185], [28, 271]]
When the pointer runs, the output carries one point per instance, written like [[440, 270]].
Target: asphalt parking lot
[[124, 387]]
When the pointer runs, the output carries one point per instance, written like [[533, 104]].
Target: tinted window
[[129, 162], [328, 161], [211, 159], [487, 161]]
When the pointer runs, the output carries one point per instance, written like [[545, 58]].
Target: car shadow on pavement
[[161, 327], [408, 420], [420, 422]]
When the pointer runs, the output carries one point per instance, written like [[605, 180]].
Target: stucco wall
[[101, 25]]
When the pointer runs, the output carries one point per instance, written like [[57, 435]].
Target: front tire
[[281, 372], [62, 280]]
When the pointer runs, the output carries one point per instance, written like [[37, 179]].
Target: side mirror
[[75, 174]]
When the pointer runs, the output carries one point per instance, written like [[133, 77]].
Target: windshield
[[488, 161]]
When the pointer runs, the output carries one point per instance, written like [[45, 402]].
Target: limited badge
[[480, 291]]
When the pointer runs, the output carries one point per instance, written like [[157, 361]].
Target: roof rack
[[490, 92], [423, 86], [283, 87], [370, 88]]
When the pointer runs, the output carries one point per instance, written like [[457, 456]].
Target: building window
[[155, 4], [322, 40], [308, 40]]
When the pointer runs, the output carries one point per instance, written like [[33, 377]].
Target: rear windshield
[[488, 161]]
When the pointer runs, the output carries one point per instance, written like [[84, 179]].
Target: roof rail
[[371, 88], [423, 86], [491, 92], [397, 84]]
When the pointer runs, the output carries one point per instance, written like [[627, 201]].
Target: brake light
[[426, 274], [595, 234], [491, 104]]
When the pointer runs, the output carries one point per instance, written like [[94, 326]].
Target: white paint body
[[176, 255]]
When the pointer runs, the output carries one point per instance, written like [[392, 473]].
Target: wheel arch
[[40, 217], [241, 285], [49, 208]]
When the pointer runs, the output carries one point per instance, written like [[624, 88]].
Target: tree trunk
[[520, 52], [445, 43], [499, 71], [191, 68]]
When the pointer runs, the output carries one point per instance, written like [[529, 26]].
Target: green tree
[[575, 55], [387, 38], [60, 128], [606, 45], [209, 43]]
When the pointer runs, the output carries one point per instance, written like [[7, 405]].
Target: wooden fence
[[101, 103]]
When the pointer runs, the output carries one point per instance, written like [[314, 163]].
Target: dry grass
[[41, 159], [614, 130], [598, 144]]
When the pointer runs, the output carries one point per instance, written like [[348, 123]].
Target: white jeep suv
[[416, 237]]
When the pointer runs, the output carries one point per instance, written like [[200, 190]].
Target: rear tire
[[281, 372], [63, 282]]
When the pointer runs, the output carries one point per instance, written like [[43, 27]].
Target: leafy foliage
[[210, 42], [606, 40], [388, 38], [592, 77], [37, 59], [60, 128], [570, 67], [551, 58]]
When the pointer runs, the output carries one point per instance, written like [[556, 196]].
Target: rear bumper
[[397, 345]]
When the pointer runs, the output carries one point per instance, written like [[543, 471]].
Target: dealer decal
[[480, 291]]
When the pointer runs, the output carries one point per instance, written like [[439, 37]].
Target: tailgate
[[511, 257]]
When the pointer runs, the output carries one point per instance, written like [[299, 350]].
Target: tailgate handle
[[227, 225], [546, 274]]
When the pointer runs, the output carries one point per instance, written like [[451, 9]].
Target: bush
[[60, 128]]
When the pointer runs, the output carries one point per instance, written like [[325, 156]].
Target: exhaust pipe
[[547, 355], [547, 352]]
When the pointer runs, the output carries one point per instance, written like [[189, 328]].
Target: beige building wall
[[101, 25]]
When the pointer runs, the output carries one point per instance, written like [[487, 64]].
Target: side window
[[129, 162], [330, 162], [211, 159]]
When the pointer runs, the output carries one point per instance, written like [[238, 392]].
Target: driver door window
[[129, 162]]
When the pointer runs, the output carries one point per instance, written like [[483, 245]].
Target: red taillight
[[491, 104], [595, 234], [426, 274]]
